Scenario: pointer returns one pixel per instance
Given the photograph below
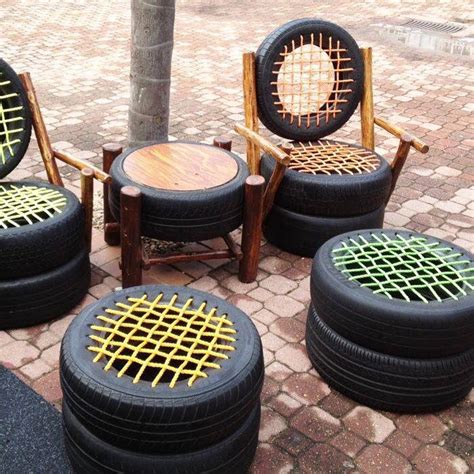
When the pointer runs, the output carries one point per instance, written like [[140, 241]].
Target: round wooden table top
[[178, 166]]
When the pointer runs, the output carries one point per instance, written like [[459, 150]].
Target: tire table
[[161, 379], [182, 192], [391, 322]]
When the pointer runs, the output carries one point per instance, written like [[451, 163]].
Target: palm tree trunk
[[150, 69]]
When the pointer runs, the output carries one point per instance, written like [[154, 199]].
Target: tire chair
[[303, 83], [45, 232]]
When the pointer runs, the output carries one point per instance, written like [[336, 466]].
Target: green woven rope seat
[[412, 268]]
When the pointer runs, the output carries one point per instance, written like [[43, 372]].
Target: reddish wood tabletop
[[180, 166]]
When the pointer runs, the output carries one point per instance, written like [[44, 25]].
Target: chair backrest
[[15, 120], [309, 79]]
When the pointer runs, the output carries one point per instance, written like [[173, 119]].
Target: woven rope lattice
[[11, 119], [310, 80], [26, 205], [325, 157], [409, 268], [158, 341]]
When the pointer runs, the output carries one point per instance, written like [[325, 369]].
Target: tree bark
[[150, 69]]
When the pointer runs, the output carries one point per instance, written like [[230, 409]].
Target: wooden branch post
[[252, 228], [399, 160], [224, 143], [367, 102], [87, 198], [250, 110], [275, 180], [110, 151], [130, 230], [41, 133]]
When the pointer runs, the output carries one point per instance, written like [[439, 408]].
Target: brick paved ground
[[77, 53]]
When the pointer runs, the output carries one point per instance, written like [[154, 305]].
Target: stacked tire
[[116, 422], [311, 208], [44, 263], [391, 324]]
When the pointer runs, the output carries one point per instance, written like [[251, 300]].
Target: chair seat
[[331, 157], [331, 178]]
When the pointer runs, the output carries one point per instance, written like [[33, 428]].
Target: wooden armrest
[[280, 155], [79, 164], [416, 143]]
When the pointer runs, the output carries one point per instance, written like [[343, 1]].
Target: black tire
[[161, 419], [331, 195], [14, 86], [393, 326], [270, 52], [92, 455], [33, 300], [185, 216], [387, 382], [40, 247], [303, 235]]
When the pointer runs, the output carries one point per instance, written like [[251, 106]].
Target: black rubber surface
[[31, 437], [32, 300], [91, 455], [387, 382], [19, 149], [392, 326], [331, 195], [161, 419], [33, 249], [269, 53], [185, 215], [303, 235]]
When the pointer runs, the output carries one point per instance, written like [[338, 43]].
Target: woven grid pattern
[[11, 119], [158, 341], [310, 80], [325, 157], [26, 205], [411, 268]]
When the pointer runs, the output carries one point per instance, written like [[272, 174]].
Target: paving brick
[[425, 428], [278, 284], [35, 369], [294, 357], [316, 423], [284, 306], [325, 459], [271, 424], [348, 443], [376, 459], [49, 387], [17, 353], [306, 388], [293, 441], [289, 329], [402, 442], [369, 424], [432, 459], [270, 459], [284, 404]]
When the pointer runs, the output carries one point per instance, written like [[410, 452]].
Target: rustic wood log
[[130, 218], [110, 151], [399, 160], [250, 110], [416, 143], [189, 257], [223, 142], [41, 133], [236, 253], [81, 164], [252, 228], [367, 102], [87, 198], [263, 143]]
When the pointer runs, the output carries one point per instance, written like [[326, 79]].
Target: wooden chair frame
[[50, 155], [255, 142], [127, 233]]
